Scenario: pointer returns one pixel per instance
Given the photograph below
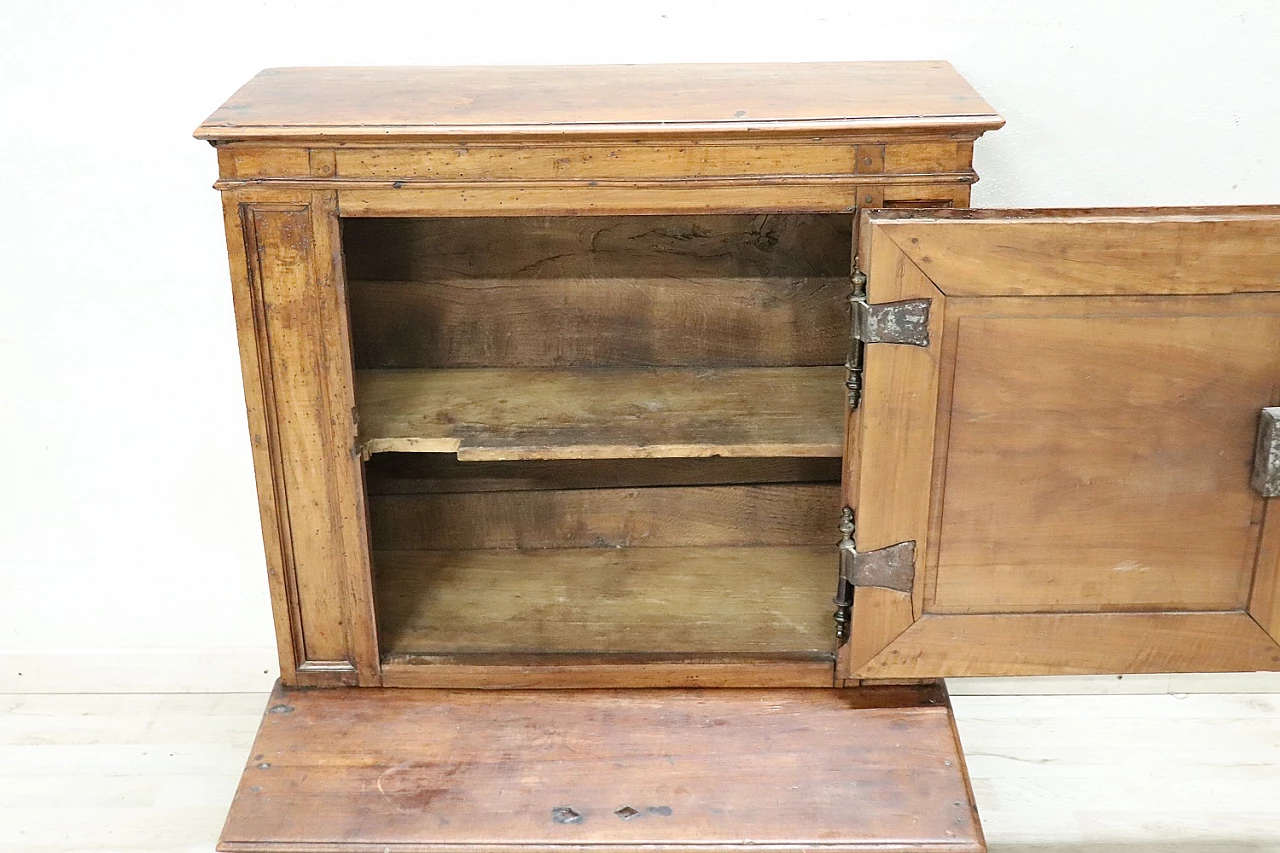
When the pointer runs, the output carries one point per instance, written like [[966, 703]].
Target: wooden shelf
[[693, 601], [603, 413]]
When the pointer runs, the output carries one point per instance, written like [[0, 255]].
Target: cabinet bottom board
[[743, 603]]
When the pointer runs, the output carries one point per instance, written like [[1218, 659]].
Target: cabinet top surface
[[379, 102]]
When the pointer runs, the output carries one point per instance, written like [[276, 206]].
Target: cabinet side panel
[[291, 338], [256, 389]]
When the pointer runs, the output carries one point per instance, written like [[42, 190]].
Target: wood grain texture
[[291, 322], [931, 197], [438, 473], [579, 161], [613, 413], [1113, 479], [834, 195], [345, 468], [1264, 598], [1148, 251], [282, 258], [784, 514], [1075, 644], [647, 601], [644, 100], [1091, 454], [599, 291], [927, 157], [616, 672], [545, 249], [879, 616], [424, 771], [250, 162], [259, 408], [895, 445]]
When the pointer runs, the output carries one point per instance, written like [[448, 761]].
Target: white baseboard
[[235, 670], [254, 670], [1213, 682]]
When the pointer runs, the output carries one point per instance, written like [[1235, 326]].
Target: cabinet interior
[[601, 439]]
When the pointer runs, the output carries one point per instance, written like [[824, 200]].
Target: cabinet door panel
[[1087, 495], [1099, 459]]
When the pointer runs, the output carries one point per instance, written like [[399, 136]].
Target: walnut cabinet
[[637, 446]]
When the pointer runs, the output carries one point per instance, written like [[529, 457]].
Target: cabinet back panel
[[732, 290], [603, 557], [784, 514]]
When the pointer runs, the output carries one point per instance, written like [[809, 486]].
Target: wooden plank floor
[[1053, 774]]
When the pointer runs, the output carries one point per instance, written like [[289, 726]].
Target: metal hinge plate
[[893, 567], [905, 322], [1266, 456]]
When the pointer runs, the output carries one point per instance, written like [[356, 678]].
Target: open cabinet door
[[1072, 451]]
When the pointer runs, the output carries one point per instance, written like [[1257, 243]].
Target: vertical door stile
[[895, 433]]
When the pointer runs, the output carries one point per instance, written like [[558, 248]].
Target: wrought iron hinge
[[893, 567], [853, 364], [905, 322]]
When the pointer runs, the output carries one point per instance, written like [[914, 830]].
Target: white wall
[[129, 540]]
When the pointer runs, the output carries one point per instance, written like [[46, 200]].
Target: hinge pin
[[853, 363], [892, 567], [844, 589]]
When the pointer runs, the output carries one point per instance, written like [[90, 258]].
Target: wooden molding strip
[[1075, 644], [586, 184]]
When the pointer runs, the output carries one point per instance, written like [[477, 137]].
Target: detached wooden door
[[1072, 451]]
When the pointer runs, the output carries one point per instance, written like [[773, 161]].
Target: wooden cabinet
[[605, 378], [545, 367]]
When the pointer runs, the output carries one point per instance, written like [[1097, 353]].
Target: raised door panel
[[1072, 453], [1098, 453]]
